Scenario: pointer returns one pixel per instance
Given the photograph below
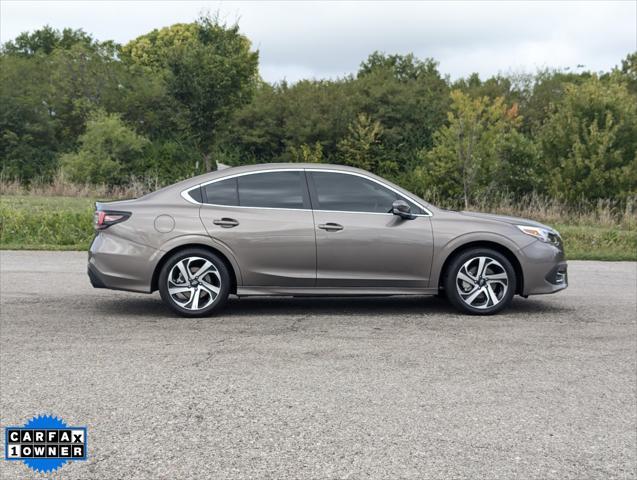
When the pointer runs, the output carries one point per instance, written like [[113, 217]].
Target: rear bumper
[[95, 277], [120, 264]]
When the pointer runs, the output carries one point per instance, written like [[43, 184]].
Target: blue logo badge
[[45, 443]]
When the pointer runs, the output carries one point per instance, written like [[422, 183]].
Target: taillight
[[105, 218]]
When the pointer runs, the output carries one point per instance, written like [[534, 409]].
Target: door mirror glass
[[402, 209]]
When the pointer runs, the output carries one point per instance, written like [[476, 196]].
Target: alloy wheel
[[194, 283], [482, 282]]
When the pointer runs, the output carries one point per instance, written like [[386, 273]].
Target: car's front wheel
[[480, 281], [194, 282]]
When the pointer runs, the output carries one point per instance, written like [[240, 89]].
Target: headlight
[[543, 234]]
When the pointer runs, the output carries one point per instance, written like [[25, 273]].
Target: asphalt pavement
[[359, 388]]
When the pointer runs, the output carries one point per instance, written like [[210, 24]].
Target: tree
[[519, 172], [407, 96], [361, 147], [402, 67], [467, 155], [589, 142], [493, 87], [209, 69], [307, 153], [110, 152], [28, 129], [166, 161], [628, 71], [50, 80], [154, 49], [257, 131], [47, 39], [547, 88]]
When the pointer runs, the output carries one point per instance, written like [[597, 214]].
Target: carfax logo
[[45, 443]]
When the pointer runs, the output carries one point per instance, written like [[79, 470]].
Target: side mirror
[[402, 209]]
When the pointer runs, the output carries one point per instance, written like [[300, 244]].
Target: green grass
[[45, 223], [47, 204], [29, 222], [585, 242]]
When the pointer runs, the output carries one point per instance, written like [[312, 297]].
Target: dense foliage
[[173, 102]]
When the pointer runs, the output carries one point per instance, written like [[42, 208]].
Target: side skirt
[[332, 292]]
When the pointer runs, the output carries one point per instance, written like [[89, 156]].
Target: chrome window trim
[[367, 213], [188, 198], [185, 195]]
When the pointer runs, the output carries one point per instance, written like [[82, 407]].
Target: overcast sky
[[329, 39]]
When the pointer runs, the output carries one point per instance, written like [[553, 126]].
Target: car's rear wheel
[[194, 282], [480, 281]]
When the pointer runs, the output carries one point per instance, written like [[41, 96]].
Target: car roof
[[185, 185], [282, 166], [207, 177]]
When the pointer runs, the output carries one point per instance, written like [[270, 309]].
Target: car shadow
[[368, 306], [149, 306]]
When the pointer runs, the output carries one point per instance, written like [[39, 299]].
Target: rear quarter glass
[[196, 194]]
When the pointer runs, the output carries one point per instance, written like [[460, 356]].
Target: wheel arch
[[169, 253], [493, 245]]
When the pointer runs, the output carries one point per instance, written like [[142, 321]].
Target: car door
[[359, 243], [265, 219]]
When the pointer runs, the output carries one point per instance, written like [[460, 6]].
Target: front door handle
[[331, 227], [226, 222]]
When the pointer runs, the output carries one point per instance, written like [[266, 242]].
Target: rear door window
[[223, 192], [260, 190], [273, 190]]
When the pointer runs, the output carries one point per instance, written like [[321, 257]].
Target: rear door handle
[[226, 222], [331, 227]]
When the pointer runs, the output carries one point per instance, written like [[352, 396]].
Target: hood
[[506, 219]]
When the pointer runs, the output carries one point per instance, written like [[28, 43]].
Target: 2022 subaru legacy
[[315, 229]]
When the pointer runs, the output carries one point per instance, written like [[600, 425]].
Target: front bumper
[[545, 269], [558, 275]]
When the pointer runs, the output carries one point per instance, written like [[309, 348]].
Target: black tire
[[223, 284], [506, 295]]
